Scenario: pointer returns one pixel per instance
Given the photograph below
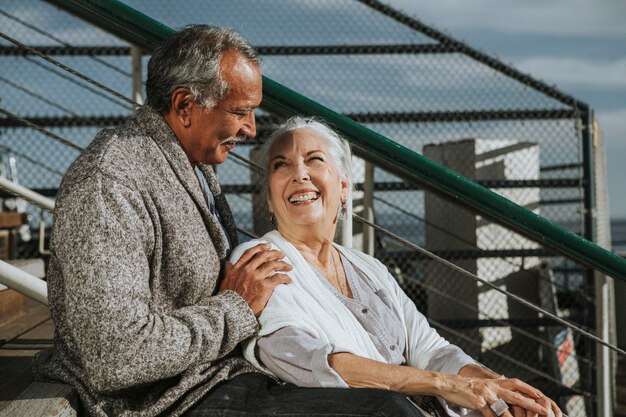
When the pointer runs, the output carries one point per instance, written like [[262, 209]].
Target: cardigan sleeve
[[103, 244], [296, 356], [425, 348]]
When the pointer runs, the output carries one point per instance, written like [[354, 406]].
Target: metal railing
[[145, 32], [137, 28], [13, 277]]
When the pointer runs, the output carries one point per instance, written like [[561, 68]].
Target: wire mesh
[[513, 135]]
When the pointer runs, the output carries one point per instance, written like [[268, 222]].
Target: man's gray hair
[[339, 149], [191, 59]]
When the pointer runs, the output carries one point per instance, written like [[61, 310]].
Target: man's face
[[211, 134]]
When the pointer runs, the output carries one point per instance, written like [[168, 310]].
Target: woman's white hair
[[339, 149]]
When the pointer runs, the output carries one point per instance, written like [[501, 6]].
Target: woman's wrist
[[478, 371], [423, 382]]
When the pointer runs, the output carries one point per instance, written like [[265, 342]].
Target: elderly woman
[[344, 321]]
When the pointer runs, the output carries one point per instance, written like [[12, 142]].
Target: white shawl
[[318, 310]]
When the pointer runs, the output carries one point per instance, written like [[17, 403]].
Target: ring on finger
[[499, 407]]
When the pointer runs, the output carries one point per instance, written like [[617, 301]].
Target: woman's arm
[[294, 355], [472, 393]]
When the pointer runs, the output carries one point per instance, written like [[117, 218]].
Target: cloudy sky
[[577, 45]]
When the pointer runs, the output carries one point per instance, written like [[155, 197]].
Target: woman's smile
[[302, 197]]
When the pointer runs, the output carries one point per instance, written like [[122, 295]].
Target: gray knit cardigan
[[139, 327]]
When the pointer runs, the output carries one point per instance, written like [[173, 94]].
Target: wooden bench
[[20, 395], [44, 399]]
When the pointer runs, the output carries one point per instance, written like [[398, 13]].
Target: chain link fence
[[399, 77]]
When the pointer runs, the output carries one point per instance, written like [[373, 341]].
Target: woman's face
[[305, 187]]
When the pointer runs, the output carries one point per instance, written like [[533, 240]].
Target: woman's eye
[[317, 158], [278, 164]]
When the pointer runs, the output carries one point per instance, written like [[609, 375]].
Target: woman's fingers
[[515, 398], [518, 411], [526, 389]]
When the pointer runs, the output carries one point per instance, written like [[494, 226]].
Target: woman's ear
[[345, 188], [181, 104], [269, 204]]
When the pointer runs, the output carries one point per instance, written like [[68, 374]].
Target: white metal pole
[[136, 54], [23, 282], [27, 194], [604, 377], [368, 208], [346, 224]]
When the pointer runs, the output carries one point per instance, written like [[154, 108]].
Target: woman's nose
[[300, 174]]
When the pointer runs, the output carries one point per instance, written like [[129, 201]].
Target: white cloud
[[563, 71], [554, 17]]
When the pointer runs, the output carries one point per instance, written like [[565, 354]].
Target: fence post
[[368, 208], [136, 53]]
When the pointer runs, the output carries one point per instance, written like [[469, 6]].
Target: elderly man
[[147, 321]]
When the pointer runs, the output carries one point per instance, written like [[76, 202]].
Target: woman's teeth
[[304, 197]]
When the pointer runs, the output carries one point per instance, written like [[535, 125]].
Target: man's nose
[[249, 126]]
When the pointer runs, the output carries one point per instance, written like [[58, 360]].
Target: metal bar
[[135, 27], [431, 48], [40, 129], [379, 186], [559, 201], [265, 50], [136, 74], [423, 117], [560, 167], [23, 282], [46, 192], [463, 116], [472, 324], [409, 255], [368, 208], [78, 121], [27, 194], [69, 50]]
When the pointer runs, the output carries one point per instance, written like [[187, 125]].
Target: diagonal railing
[[139, 29]]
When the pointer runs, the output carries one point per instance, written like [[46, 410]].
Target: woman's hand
[[480, 393], [478, 371]]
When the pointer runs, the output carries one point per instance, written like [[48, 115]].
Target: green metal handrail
[[139, 29]]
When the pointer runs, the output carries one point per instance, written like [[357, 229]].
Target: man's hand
[[255, 275]]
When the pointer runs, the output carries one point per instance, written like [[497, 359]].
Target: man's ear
[[181, 103]]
